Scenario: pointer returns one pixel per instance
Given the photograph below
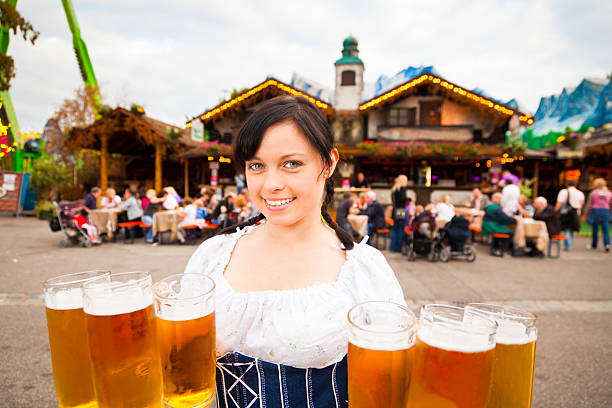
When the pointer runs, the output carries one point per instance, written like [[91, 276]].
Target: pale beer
[[513, 366], [121, 329], [380, 354], [68, 339], [453, 359], [184, 305]]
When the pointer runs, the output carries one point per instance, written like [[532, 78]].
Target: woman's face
[[286, 178]]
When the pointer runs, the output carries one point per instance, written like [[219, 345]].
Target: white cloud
[[178, 58]]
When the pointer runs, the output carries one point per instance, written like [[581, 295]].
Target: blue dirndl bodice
[[246, 382]]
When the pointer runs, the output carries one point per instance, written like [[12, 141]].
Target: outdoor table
[[530, 228], [358, 223], [469, 213], [105, 220], [165, 221]]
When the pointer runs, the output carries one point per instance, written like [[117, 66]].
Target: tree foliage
[[73, 112], [47, 175], [10, 17]]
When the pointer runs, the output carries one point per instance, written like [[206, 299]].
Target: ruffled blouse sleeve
[[371, 276]]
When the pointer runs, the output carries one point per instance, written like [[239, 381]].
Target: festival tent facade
[[417, 123]]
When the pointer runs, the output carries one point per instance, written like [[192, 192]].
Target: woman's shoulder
[[213, 251]]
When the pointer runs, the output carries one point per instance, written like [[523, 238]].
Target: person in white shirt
[[170, 202], [445, 211], [111, 199], [575, 198], [510, 198]]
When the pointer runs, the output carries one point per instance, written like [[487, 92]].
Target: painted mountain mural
[[589, 103]]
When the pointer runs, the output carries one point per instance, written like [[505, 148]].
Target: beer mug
[[185, 309], [68, 339], [122, 340], [380, 354], [512, 378], [453, 359]]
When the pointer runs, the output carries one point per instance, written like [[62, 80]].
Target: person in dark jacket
[[91, 200], [343, 211], [224, 207], [547, 213], [375, 213], [361, 181]]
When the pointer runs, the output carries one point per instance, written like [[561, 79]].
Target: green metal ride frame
[[80, 49], [7, 104]]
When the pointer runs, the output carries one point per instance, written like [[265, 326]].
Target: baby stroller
[[453, 240], [422, 239], [67, 211]]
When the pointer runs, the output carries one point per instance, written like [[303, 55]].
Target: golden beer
[[68, 340], [121, 328], [453, 359], [513, 366], [184, 305], [380, 354]]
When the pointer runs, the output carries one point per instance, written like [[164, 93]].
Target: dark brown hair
[[313, 126]]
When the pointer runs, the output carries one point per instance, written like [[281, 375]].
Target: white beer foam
[[64, 299], [454, 340], [382, 338], [102, 302], [514, 333], [178, 312]]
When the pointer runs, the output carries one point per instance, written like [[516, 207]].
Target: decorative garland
[[444, 149]]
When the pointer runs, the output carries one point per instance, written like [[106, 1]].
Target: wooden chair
[[129, 227], [476, 229], [503, 240], [555, 241]]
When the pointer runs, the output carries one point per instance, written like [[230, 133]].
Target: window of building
[[431, 113], [402, 117], [348, 78]]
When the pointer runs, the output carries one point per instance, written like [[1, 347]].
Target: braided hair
[[313, 126]]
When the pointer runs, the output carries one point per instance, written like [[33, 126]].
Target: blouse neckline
[[271, 292]]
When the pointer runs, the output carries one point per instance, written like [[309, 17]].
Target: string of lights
[[525, 118]]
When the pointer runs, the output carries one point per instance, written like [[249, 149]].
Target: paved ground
[[571, 295]]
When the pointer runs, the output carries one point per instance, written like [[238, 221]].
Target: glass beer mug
[[380, 354], [68, 339], [185, 309], [122, 340]]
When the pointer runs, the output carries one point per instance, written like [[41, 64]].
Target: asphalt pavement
[[572, 297]]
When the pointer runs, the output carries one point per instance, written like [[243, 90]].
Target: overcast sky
[[176, 58]]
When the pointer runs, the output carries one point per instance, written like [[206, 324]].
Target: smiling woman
[[285, 284]]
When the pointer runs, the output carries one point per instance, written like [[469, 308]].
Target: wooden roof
[[449, 90], [269, 88], [127, 133]]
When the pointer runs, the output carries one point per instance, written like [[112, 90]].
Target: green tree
[[12, 20], [47, 176]]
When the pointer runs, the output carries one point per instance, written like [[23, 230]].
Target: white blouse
[[303, 328]]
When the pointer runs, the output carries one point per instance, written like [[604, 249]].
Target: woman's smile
[[278, 204]]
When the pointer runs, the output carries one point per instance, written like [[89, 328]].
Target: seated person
[[445, 211], [343, 211], [525, 209], [545, 212], [200, 210], [131, 204], [375, 213], [478, 201], [155, 205], [495, 221], [170, 202], [91, 202], [111, 199], [223, 207], [189, 217]]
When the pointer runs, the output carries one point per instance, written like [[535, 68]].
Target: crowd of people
[[206, 207], [497, 214]]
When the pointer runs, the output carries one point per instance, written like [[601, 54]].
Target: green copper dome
[[350, 53]]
